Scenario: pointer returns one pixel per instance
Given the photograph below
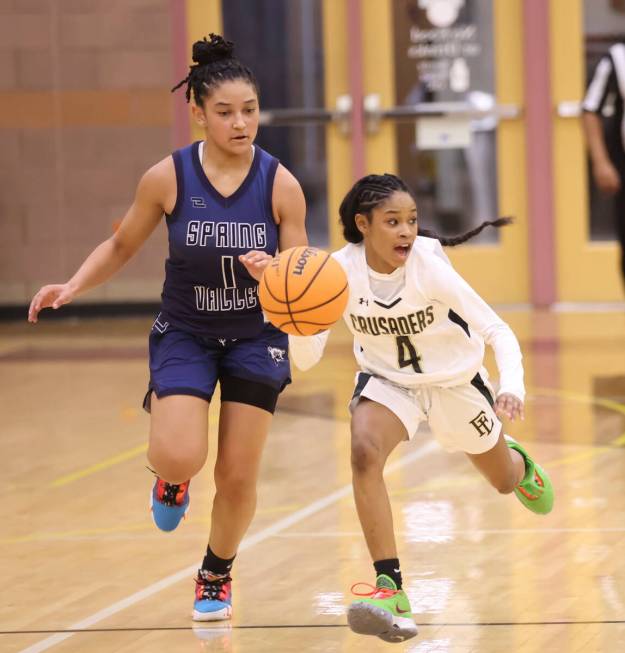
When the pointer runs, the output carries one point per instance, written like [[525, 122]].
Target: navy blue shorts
[[250, 370]]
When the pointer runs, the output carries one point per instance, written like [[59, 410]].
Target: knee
[[175, 464], [235, 484], [366, 453]]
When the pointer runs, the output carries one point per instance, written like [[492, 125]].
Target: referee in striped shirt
[[606, 139]]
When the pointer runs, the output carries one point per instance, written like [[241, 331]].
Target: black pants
[[619, 219]]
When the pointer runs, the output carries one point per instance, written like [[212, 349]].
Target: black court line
[[212, 629], [225, 630]]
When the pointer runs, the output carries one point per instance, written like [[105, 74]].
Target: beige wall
[[84, 110]]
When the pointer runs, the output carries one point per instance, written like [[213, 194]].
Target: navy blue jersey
[[207, 291]]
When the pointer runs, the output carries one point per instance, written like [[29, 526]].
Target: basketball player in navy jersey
[[228, 206]]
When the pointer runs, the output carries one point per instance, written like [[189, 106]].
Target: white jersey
[[433, 332]]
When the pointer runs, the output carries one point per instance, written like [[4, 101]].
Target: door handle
[[374, 113], [569, 109], [340, 115]]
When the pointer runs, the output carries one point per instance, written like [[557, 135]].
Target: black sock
[[215, 564], [390, 568]]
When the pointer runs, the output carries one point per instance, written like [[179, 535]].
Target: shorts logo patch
[[161, 327], [277, 354], [482, 424]]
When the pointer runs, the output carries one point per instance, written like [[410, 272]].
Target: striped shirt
[[605, 95]]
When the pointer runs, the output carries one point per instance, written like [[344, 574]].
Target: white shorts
[[461, 418]]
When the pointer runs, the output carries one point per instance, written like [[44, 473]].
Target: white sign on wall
[[450, 132]]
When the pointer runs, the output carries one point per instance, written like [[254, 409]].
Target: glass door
[[450, 84], [290, 72]]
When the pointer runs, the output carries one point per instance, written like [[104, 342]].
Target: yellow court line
[[620, 441], [98, 467], [111, 462], [578, 457], [586, 399], [574, 396], [433, 484], [51, 536], [54, 536], [549, 392]]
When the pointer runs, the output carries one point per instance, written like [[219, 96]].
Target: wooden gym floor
[[84, 569]]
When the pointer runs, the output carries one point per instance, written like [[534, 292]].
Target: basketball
[[303, 291]]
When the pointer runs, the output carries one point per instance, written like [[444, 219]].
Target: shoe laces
[[171, 494], [210, 586], [374, 592]]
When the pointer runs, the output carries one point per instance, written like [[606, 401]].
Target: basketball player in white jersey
[[419, 336]]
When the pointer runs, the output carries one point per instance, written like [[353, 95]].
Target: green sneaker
[[385, 612], [535, 491]]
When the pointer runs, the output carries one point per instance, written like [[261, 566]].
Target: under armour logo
[[363, 300], [198, 203], [483, 425]]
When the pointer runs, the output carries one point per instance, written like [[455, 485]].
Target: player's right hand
[[255, 262], [51, 296], [507, 405], [607, 177]]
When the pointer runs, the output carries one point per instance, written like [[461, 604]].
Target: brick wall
[[85, 109]]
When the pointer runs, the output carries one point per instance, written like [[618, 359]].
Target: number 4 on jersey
[[407, 354]]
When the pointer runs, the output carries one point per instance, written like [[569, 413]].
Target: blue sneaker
[[213, 597], [169, 503]]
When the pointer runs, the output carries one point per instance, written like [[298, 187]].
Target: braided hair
[[371, 191], [214, 63]]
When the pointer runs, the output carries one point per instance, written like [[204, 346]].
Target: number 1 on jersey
[[227, 269], [407, 354]]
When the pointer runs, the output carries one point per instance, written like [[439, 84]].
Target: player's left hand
[[255, 262], [507, 405]]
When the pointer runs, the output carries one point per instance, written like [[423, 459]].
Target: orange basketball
[[303, 291]]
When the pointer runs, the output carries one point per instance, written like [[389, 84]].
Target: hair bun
[[217, 49]]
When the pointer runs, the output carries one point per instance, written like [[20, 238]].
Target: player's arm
[[108, 257], [444, 284], [306, 351], [289, 209], [605, 174]]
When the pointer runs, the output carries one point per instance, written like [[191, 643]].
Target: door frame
[[587, 271]]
